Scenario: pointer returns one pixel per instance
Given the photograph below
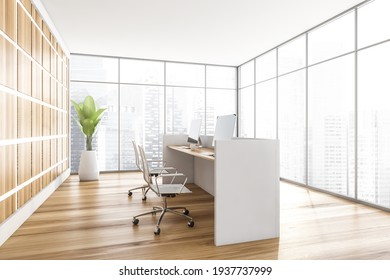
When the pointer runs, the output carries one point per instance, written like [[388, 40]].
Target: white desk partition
[[244, 179], [246, 190]]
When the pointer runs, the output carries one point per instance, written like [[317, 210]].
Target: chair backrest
[[145, 166], [136, 154]]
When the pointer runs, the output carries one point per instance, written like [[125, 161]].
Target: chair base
[[165, 209], [145, 190]]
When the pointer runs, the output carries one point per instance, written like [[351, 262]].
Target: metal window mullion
[[254, 99], [119, 115], [307, 112], [356, 104], [165, 97], [205, 100], [277, 95], [237, 101]]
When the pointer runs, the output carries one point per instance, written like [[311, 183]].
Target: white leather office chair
[[153, 171], [164, 191]]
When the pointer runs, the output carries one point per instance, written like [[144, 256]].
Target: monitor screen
[[194, 131], [224, 129]]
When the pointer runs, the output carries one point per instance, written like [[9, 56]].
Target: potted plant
[[88, 119]]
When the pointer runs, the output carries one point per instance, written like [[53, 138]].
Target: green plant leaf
[[89, 107], [96, 122], [89, 118], [78, 123], [78, 109], [98, 114], [88, 127]]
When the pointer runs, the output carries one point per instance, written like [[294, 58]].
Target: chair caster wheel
[[129, 193], [157, 231], [191, 224], [135, 221], [186, 212], [144, 198]]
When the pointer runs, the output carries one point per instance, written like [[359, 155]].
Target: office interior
[[319, 92]]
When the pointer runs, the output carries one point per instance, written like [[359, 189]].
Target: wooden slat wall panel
[[38, 70], [59, 96], [24, 74], [36, 158], [60, 69], [24, 172], [53, 63], [7, 180], [46, 87], [36, 44], [24, 150], [36, 186], [36, 82], [8, 64], [46, 53], [8, 18], [46, 161], [8, 116], [24, 30], [46, 121], [24, 118], [53, 93], [27, 5], [53, 154]]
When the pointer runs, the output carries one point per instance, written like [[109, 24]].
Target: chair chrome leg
[[163, 209], [178, 207], [178, 213], [161, 217], [155, 211]]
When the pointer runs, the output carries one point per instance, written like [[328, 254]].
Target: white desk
[[244, 179]]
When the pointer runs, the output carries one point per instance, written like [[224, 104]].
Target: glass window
[[266, 66], [292, 56], [105, 140], [266, 109], [94, 69], [374, 125], [247, 74], [219, 102], [184, 105], [142, 120], [292, 126], [331, 126], [247, 112], [145, 103], [373, 23], [332, 39], [181, 74], [221, 77], [142, 72]]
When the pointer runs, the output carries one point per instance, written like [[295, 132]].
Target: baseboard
[[12, 223]]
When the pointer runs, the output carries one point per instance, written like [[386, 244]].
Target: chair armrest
[[172, 175], [160, 163], [164, 168]]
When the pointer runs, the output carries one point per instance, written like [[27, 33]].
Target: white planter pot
[[88, 169]]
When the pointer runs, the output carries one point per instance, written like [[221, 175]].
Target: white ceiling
[[226, 32]]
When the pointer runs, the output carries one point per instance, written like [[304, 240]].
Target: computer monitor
[[224, 129], [194, 131]]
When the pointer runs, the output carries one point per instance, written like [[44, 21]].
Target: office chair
[[164, 191], [154, 171]]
